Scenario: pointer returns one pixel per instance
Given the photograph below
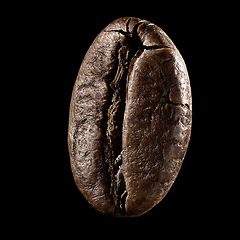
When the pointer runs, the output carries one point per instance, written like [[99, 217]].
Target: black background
[[54, 40]]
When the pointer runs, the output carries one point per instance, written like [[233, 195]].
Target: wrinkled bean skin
[[130, 118]]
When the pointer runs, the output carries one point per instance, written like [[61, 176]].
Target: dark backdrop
[[58, 37]]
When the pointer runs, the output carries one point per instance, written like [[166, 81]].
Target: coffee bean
[[130, 118]]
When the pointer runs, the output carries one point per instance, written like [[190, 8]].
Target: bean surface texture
[[130, 118]]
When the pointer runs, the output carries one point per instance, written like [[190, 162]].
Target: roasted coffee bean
[[130, 118]]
